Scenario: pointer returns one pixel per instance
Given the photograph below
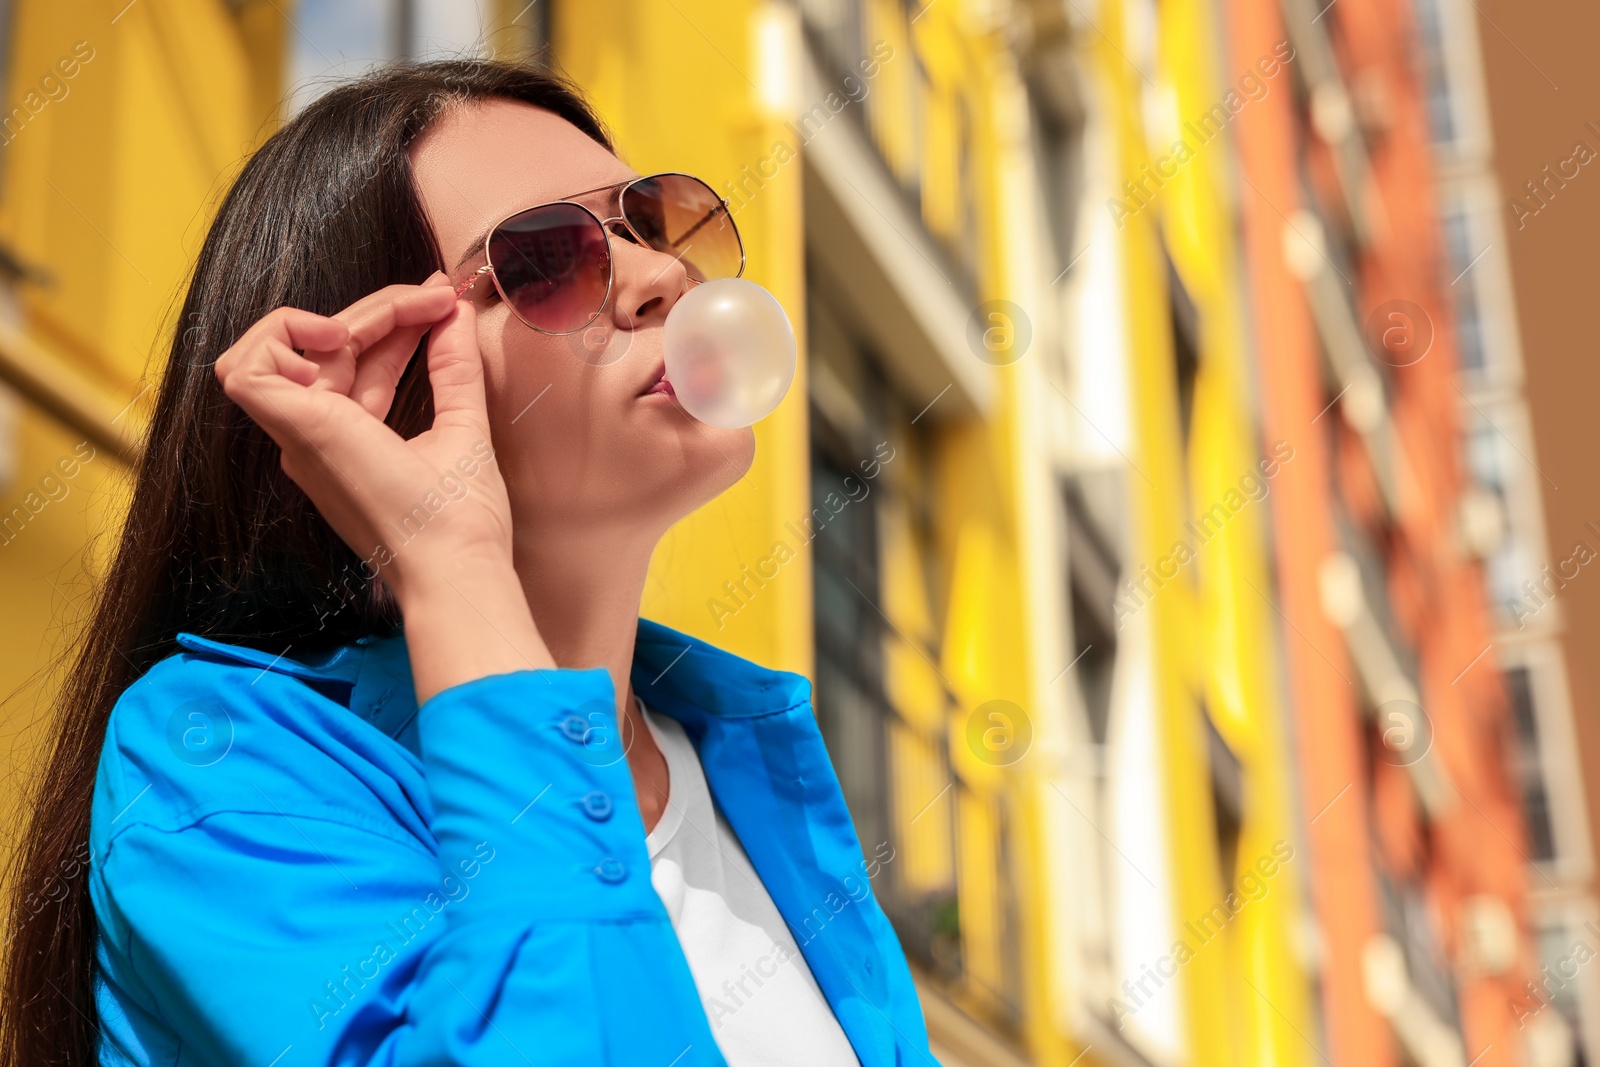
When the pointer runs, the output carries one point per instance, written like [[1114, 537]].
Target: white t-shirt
[[765, 1007]]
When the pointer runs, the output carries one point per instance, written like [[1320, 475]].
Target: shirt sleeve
[[305, 925]]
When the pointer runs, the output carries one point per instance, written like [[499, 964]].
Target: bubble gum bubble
[[730, 352]]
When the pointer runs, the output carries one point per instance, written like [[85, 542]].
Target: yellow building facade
[[1240, 936], [1015, 400], [120, 129]]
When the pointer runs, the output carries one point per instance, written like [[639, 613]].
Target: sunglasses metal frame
[[604, 224]]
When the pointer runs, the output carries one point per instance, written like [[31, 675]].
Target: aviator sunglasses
[[551, 263]]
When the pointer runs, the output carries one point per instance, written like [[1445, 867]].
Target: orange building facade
[[1400, 713]]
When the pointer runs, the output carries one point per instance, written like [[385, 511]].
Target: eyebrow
[[482, 242], [477, 247]]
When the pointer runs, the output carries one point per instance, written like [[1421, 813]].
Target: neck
[[584, 589]]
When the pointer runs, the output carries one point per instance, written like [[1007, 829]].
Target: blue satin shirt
[[293, 864]]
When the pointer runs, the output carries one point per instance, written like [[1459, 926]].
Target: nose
[[646, 283]]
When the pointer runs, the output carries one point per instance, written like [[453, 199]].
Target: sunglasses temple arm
[[472, 279]]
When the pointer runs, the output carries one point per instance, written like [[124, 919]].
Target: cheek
[[574, 435], [530, 379], [554, 417]]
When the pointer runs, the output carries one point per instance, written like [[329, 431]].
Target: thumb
[[455, 369]]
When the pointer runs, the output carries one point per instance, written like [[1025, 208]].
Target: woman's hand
[[430, 514], [325, 410]]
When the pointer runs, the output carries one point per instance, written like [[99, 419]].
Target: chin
[[718, 458], [659, 486], [708, 461]]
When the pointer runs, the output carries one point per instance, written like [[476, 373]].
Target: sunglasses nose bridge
[[639, 240], [633, 234]]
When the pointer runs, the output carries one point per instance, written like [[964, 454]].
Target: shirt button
[[597, 806], [611, 870], [575, 729]]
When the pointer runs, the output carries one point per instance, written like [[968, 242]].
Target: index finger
[[375, 316], [294, 327]]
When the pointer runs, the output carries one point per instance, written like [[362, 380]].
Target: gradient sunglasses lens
[[552, 266], [686, 219]]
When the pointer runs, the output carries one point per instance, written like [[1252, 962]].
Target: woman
[[367, 756]]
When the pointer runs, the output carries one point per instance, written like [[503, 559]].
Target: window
[[1441, 115], [1562, 947], [920, 128], [1409, 920], [879, 753], [1527, 768], [1512, 564], [1093, 564], [882, 702], [1460, 252], [1185, 348], [850, 703], [1227, 800], [1058, 120], [339, 39]]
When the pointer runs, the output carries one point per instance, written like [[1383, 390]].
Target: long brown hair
[[217, 539]]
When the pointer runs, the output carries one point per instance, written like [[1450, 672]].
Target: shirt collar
[[678, 675]]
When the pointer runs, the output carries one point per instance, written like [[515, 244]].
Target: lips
[[660, 385]]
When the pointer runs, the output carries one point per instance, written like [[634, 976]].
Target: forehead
[[479, 163]]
